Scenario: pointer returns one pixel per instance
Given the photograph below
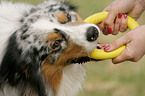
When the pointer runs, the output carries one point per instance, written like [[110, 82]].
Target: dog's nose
[[92, 34]]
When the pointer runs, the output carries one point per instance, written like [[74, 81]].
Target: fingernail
[[119, 16], [107, 47], [125, 16], [109, 30]]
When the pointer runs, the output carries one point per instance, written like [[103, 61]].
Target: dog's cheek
[[73, 51], [52, 74], [61, 17]]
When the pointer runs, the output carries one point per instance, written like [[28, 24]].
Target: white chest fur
[[73, 77]]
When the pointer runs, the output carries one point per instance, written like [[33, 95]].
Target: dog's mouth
[[83, 60], [80, 60]]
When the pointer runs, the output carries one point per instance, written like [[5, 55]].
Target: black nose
[[92, 34]]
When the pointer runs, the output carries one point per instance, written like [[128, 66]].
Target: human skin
[[135, 45], [117, 12], [117, 21]]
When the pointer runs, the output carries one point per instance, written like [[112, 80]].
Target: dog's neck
[[70, 85], [73, 77]]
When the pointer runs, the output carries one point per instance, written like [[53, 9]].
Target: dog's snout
[[92, 34]]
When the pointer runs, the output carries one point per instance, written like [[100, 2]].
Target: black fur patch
[[14, 64], [64, 35], [62, 9], [22, 20], [33, 10], [23, 69], [23, 37]]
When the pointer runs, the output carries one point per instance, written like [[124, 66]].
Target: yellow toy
[[100, 53]]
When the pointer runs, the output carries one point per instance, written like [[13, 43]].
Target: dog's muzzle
[[92, 34]]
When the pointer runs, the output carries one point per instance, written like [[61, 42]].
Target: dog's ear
[[17, 66], [10, 60]]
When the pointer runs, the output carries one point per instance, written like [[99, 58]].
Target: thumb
[[117, 43], [122, 57]]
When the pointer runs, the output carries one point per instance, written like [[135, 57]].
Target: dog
[[43, 49]]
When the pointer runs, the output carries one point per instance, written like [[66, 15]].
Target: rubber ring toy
[[100, 53]]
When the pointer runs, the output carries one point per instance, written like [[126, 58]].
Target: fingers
[[119, 24], [101, 46], [134, 41], [123, 25], [117, 43], [109, 21], [125, 55], [102, 27], [121, 57]]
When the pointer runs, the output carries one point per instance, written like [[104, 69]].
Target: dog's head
[[52, 36], [55, 34]]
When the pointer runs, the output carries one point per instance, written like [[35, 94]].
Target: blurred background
[[104, 78]]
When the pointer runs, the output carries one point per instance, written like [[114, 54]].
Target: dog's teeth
[[81, 60]]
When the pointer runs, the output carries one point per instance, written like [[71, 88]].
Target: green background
[[104, 78]]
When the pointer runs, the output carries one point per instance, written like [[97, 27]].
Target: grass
[[104, 78]]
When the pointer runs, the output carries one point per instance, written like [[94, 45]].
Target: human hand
[[117, 19], [135, 45]]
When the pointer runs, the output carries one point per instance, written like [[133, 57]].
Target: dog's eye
[[68, 17], [56, 43]]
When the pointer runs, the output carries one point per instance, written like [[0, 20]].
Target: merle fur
[[13, 65], [23, 70]]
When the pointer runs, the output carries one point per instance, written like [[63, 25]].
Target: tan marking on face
[[73, 51], [53, 72], [52, 37], [53, 75], [61, 17]]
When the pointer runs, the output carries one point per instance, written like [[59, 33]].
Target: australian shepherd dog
[[43, 49]]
